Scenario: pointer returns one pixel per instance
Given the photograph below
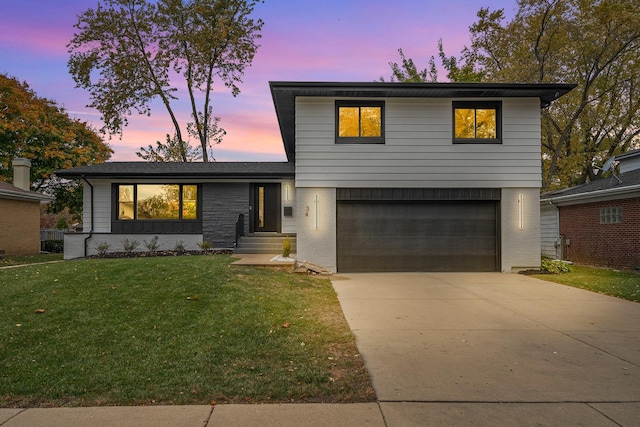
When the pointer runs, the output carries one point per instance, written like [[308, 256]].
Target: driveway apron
[[450, 338]]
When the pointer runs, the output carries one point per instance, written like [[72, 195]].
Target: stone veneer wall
[[221, 205]]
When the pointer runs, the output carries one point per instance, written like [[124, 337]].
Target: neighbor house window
[[477, 122], [157, 202], [611, 215], [359, 122]]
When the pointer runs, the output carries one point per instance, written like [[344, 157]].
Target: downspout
[[92, 220]]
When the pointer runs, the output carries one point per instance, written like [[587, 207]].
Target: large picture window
[[157, 202], [477, 122], [360, 122]]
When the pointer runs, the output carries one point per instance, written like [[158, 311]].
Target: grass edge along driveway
[[616, 283], [172, 330]]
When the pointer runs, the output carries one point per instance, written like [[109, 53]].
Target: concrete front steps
[[264, 243]]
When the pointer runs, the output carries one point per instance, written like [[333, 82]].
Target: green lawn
[[29, 259], [621, 284], [172, 330]]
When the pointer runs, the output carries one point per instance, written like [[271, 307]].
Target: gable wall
[[418, 151], [613, 245]]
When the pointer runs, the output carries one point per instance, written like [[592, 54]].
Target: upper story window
[[360, 122], [157, 202], [477, 122]]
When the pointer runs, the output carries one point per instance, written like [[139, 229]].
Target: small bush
[[102, 248], [204, 245], [130, 245], [179, 247], [152, 245], [555, 266], [62, 224], [286, 247], [54, 246]]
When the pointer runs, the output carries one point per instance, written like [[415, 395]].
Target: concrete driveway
[[494, 349]]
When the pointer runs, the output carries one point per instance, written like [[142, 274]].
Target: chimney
[[22, 173]]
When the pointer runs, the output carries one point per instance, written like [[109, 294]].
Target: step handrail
[[239, 229]]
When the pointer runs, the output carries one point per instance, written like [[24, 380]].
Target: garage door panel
[[417, 236]]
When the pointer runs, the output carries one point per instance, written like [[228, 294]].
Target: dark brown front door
[[265, 206]]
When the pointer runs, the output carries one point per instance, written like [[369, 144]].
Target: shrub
[[102, 248], [54, 246], [130, 245], [204, 245], [555, 266], [286, 247], [152, 245], [179, 247], [62, 224]]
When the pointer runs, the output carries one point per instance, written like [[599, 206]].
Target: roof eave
[[110, 175], [29, 197], [596, 194]]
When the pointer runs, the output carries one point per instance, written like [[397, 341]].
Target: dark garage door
[[417, 236]]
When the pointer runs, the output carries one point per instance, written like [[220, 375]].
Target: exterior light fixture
[[521, 211]]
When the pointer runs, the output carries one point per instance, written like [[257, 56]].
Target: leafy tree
[[37, 129], [170, 151], [594, 43], [127, 51], [408, 72]]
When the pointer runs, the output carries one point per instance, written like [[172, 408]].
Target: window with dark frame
[[611, 215], [360, 122], [157, 202], [477, 122]]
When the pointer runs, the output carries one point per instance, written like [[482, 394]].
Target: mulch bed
[[149, 254]]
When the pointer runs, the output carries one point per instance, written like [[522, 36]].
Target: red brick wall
[[612, 245]]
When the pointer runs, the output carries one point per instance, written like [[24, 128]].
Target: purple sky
[[302, 40]]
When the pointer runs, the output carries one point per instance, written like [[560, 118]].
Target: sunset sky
[[302, 40]]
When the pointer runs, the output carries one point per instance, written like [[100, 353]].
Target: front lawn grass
[[172, 330], [617, 283], [29, 259]]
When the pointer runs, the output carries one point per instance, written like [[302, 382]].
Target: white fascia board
[[29, 197]]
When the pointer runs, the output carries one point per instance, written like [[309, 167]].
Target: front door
[[265, 206]]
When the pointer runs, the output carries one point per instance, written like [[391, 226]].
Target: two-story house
[[379, 177]]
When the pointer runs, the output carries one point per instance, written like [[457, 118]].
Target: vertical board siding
[[418, 149]]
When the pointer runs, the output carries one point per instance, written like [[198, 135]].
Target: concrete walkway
[[447, 349]]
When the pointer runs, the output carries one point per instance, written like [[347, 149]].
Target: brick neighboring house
[[597, 223], [20, 212]]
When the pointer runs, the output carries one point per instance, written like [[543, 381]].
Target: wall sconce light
[[521, 211], [287, 191], [316, 203]]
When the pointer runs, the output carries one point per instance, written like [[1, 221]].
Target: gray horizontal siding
[[418, 149], [549, 230]]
